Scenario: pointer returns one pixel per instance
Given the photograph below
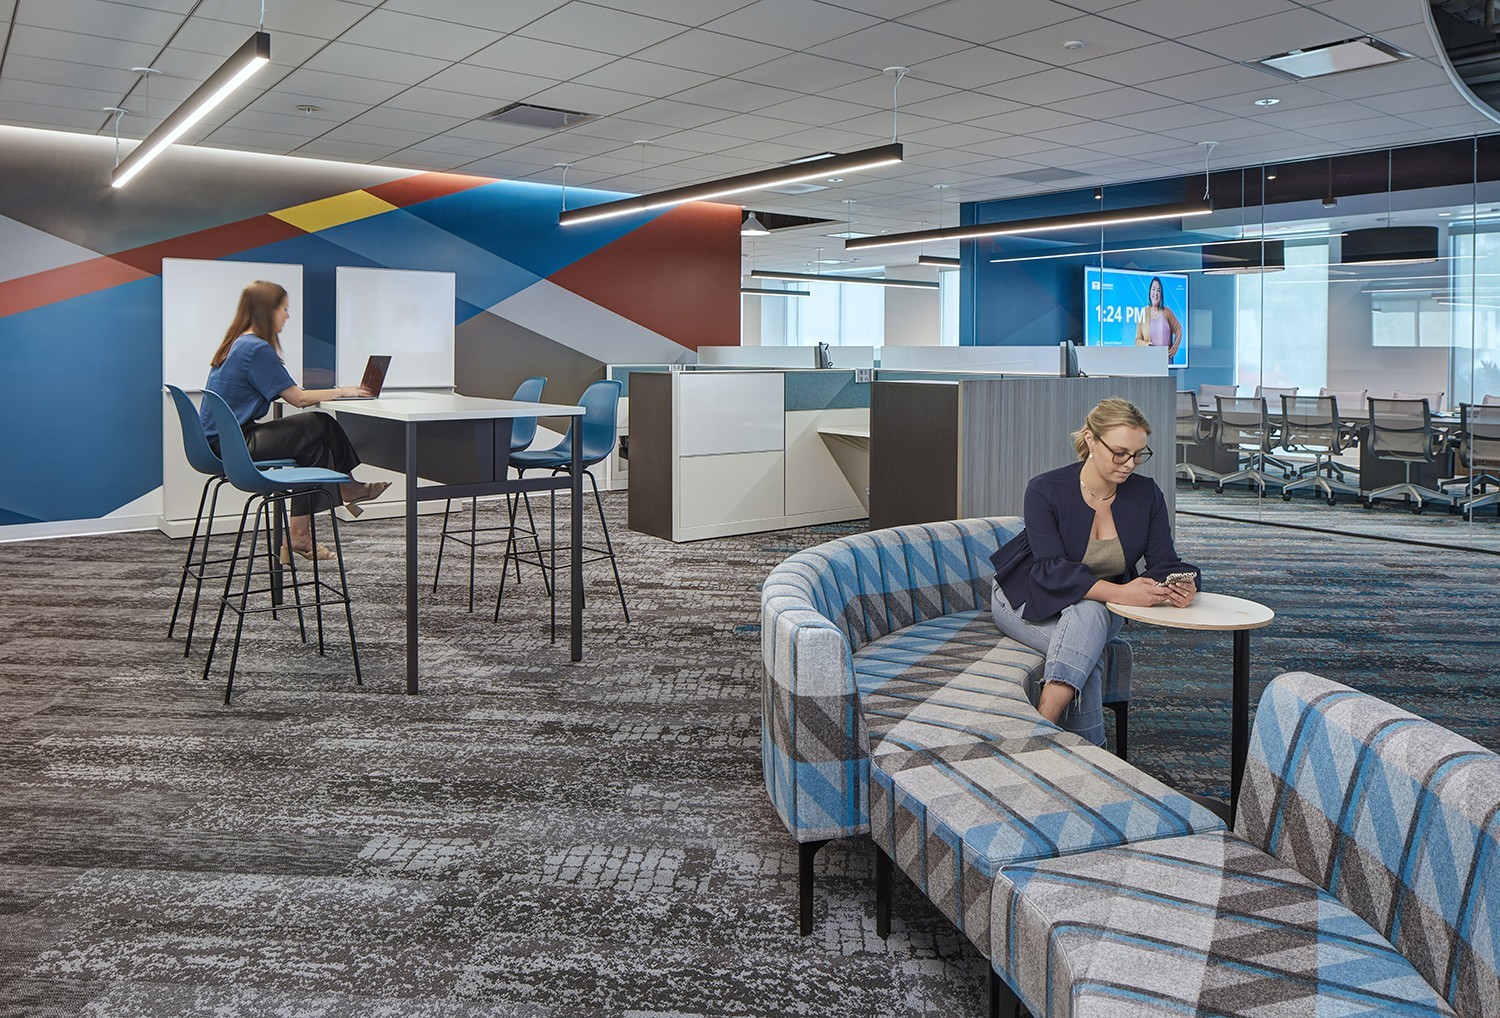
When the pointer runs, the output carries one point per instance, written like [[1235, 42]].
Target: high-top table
[[463, 443], [1218, 612]]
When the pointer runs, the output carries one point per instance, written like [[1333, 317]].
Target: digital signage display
[[1124, 307]]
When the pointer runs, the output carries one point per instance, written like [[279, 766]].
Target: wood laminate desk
[[463, 443]]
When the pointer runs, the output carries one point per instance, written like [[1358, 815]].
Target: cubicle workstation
[[720, 452], [967, 447]]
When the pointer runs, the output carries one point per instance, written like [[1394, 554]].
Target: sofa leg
[[882, 893], [805, 852], [1003, 1002], [1122, 727]]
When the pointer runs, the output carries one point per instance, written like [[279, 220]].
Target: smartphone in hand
[[1176, 579]]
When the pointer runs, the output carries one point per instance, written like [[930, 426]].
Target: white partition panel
[[198, 301], [729, 412], [1122, 360], [759, 356], [1020, 360], [405, 313]]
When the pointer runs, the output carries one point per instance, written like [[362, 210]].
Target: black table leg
[[575, 564], [411, 558], [1239, 739]]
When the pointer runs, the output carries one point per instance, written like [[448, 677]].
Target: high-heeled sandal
[[324, 554], [372, 490]]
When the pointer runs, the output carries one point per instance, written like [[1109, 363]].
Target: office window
[[838, 314], [948, 308], [1282, 322]]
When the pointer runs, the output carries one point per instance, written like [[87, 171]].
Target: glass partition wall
[[1373, 275]]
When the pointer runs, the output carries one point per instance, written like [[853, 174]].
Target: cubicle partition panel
[[952, 450], [715, 453]]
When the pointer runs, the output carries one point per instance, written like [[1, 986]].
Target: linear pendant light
[[920, 284], [760, 291], [249, 58], [939, 260], [865, 159], [1045, 224]]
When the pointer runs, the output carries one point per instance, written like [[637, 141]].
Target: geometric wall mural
[[80, 290]]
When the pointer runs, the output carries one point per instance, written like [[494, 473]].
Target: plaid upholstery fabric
[[893, 596], [820, 605], [951, 816], [1394, 815], [1201, 925]]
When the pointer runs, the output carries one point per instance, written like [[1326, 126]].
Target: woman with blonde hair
[[248, 372], [1088, 524]]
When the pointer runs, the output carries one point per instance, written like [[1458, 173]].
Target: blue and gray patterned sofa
[[1364, 877]]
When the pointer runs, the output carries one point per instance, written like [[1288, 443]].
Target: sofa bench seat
[[1206, 924], [951, 816], [951, 680]]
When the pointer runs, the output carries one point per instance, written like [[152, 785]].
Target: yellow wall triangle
[[335, 211]]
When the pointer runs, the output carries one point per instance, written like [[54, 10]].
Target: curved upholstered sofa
[[885, 639], [1364, 877]]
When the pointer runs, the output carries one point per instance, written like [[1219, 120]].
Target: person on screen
[[1156, 325], [248, 372], [1088, 524]]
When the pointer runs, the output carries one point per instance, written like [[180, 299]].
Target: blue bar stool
[[268, 487], [202, 458], [601, 405], [522, 434]]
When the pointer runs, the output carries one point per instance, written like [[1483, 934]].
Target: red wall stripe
[[42, 288], [424, 186]]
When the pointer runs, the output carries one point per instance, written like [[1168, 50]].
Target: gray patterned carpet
[[531, 837]]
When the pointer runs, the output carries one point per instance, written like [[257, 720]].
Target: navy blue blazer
[[1042, 567]]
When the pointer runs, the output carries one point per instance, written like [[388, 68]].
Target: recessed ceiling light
[[1073, 44], [1445, 213], [1333, 58], [1267, 101], [308, 108], [835, 180]]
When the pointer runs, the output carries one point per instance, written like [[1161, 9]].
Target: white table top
[[424, 405], [1208, 611], [846, 432]]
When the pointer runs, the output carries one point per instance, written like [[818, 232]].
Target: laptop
[[374, 380]]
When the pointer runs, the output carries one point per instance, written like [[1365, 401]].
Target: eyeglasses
[[1123, 457]]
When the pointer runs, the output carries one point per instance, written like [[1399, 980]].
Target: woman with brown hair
[[1087, 526], [248, 372]]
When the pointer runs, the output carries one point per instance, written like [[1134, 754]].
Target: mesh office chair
[[202, 458], [267, 488], [1244, 428], [1208, 393], [1272, 395], [1354, 412], [1490, 400], [1479, 452], [522, 434], [1401, 431], [1192, 432], [1311, 425], [1434, 399], [601, 410]]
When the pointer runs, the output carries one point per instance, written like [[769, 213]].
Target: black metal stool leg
[[239, 625], [608, 546], [317, 584], [234, 559], [1121, 709], [291, 565], [338, 551], [213, 505], [473, 545], [442, 540], [187, 563]]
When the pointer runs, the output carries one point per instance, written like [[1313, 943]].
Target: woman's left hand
[[1180, 595]]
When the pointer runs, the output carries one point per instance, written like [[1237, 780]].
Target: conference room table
[[461, 445]]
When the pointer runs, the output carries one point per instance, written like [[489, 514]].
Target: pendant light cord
[[900, 73], [262, 15], [1210, 146]]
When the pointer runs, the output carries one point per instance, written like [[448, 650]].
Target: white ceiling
[[720, 87]]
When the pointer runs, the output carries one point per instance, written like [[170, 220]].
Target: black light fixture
[[1330, 201], [1390, 245], [812, 169], [1044, 224], [763, 292], [1244, 257], [245, 61], [809, 277], [938, 260]]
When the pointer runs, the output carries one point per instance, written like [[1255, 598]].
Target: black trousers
[[313, 440]]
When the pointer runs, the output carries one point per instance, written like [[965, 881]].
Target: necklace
[[1097, 497]]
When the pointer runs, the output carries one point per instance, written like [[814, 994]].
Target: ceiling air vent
[[541, 117]]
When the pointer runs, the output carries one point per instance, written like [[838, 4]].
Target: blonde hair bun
[[1110, 413]]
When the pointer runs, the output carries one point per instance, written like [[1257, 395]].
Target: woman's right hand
[[1141, 592]]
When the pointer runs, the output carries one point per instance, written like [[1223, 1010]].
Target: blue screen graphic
[[1116, 310]]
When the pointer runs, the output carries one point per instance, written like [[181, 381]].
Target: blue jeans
[[1073, 641]]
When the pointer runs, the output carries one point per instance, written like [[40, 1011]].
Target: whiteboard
[[198, 300], [404, 313]]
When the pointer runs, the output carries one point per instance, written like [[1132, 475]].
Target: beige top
[[1105, 559]]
